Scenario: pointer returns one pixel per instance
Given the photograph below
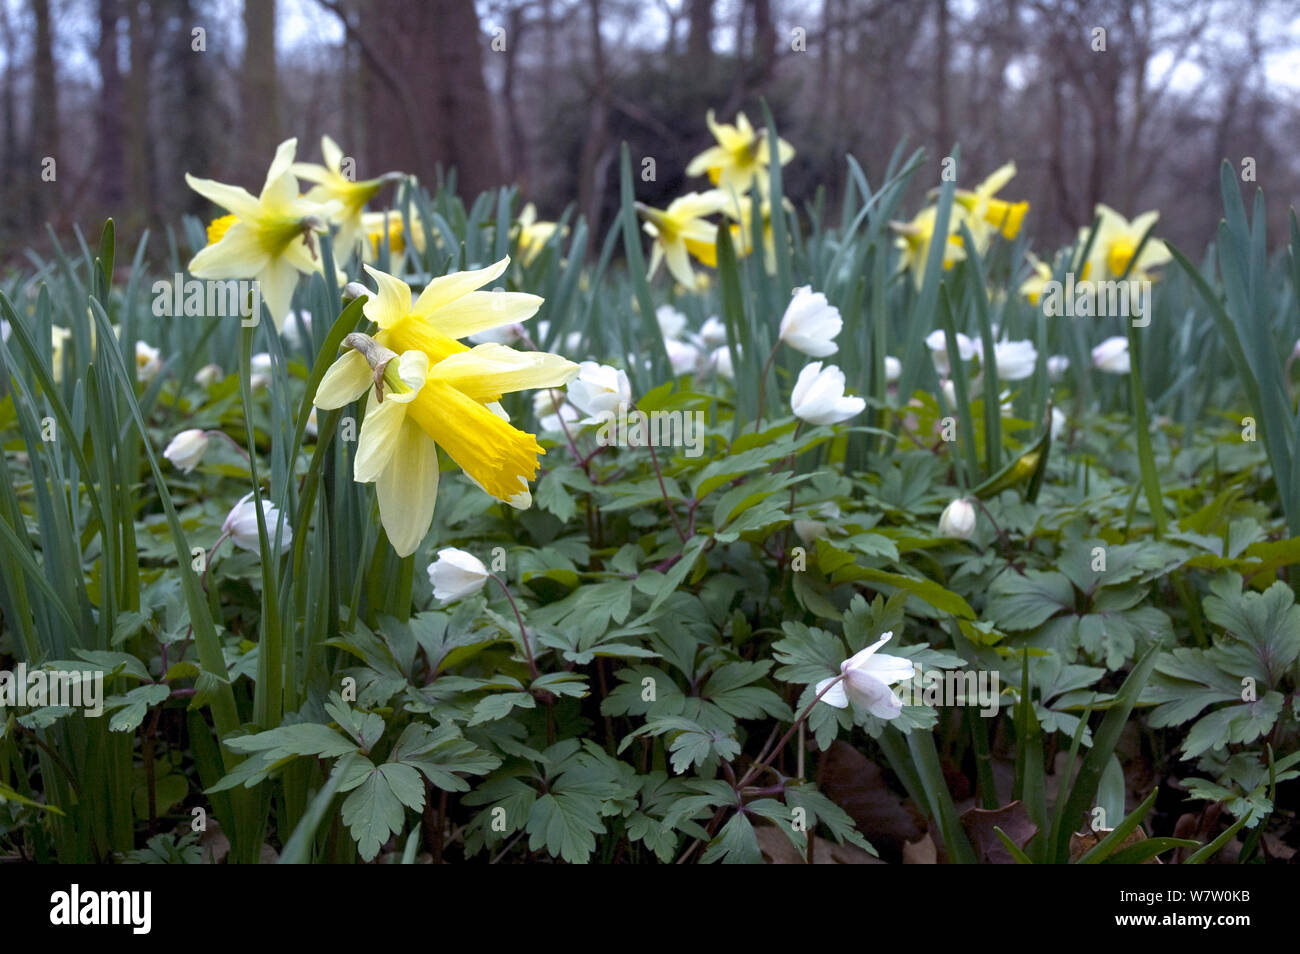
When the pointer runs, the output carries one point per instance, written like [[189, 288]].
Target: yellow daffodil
[[681, 231], [386, 227], [534, 235], [1117, 242], [442, 394], [985, 210], [333, 184], [741, 156], [266, 238], [742, 234], [914, 243], [1032, 287]]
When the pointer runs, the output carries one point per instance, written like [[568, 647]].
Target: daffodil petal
[[280, 165], [443, 291], [480, 311], [234, 199], [378, 439], [392, 304], [278, 280], [239, 254], [408, 489], [345, 381], [487, 371]]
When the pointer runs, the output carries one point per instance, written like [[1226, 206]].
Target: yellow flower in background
[[333, 184], [1117, 242], [985, 210], [1032, 287], [265, 238], [58, 339], [386, 227], [438, 393], [914, 243], [742, 233], [741, 155], [534, 235], [681, 231]]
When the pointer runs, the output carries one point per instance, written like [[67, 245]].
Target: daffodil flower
[[1032, 287], [681, 231], [533, 235], [266, 238], [439, 393], [1117, 242], [985, 210], [382, 228], [914, 242], [350, 197], [742, 154], [742, 234]]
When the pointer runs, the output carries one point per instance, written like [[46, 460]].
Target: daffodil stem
[[762, 384], [523, 633]]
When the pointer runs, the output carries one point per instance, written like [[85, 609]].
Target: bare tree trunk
[[764, 49], [139, 141], [597, 128], [45, 104], [517, 160], [194, 104], [258, 109], [424, 55], [699, 41], [111, 159], [943, 56]]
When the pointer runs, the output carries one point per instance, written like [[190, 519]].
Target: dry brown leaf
[[1081, 842], [922, 852], [1012, 819], [779, 850], [856, 784]]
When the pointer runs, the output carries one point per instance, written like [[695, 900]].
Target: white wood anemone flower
[[438, 393], [865, 680], [267, 238]]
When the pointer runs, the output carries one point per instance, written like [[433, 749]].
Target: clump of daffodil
[[741, 156], [267, 238], [682, 230], [428, 390], [984, 210], [533, 235], [333, 184], [914, 242], [386, 228], [1116, 243]]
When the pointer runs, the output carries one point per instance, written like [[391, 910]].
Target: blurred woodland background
[[127, 95]]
